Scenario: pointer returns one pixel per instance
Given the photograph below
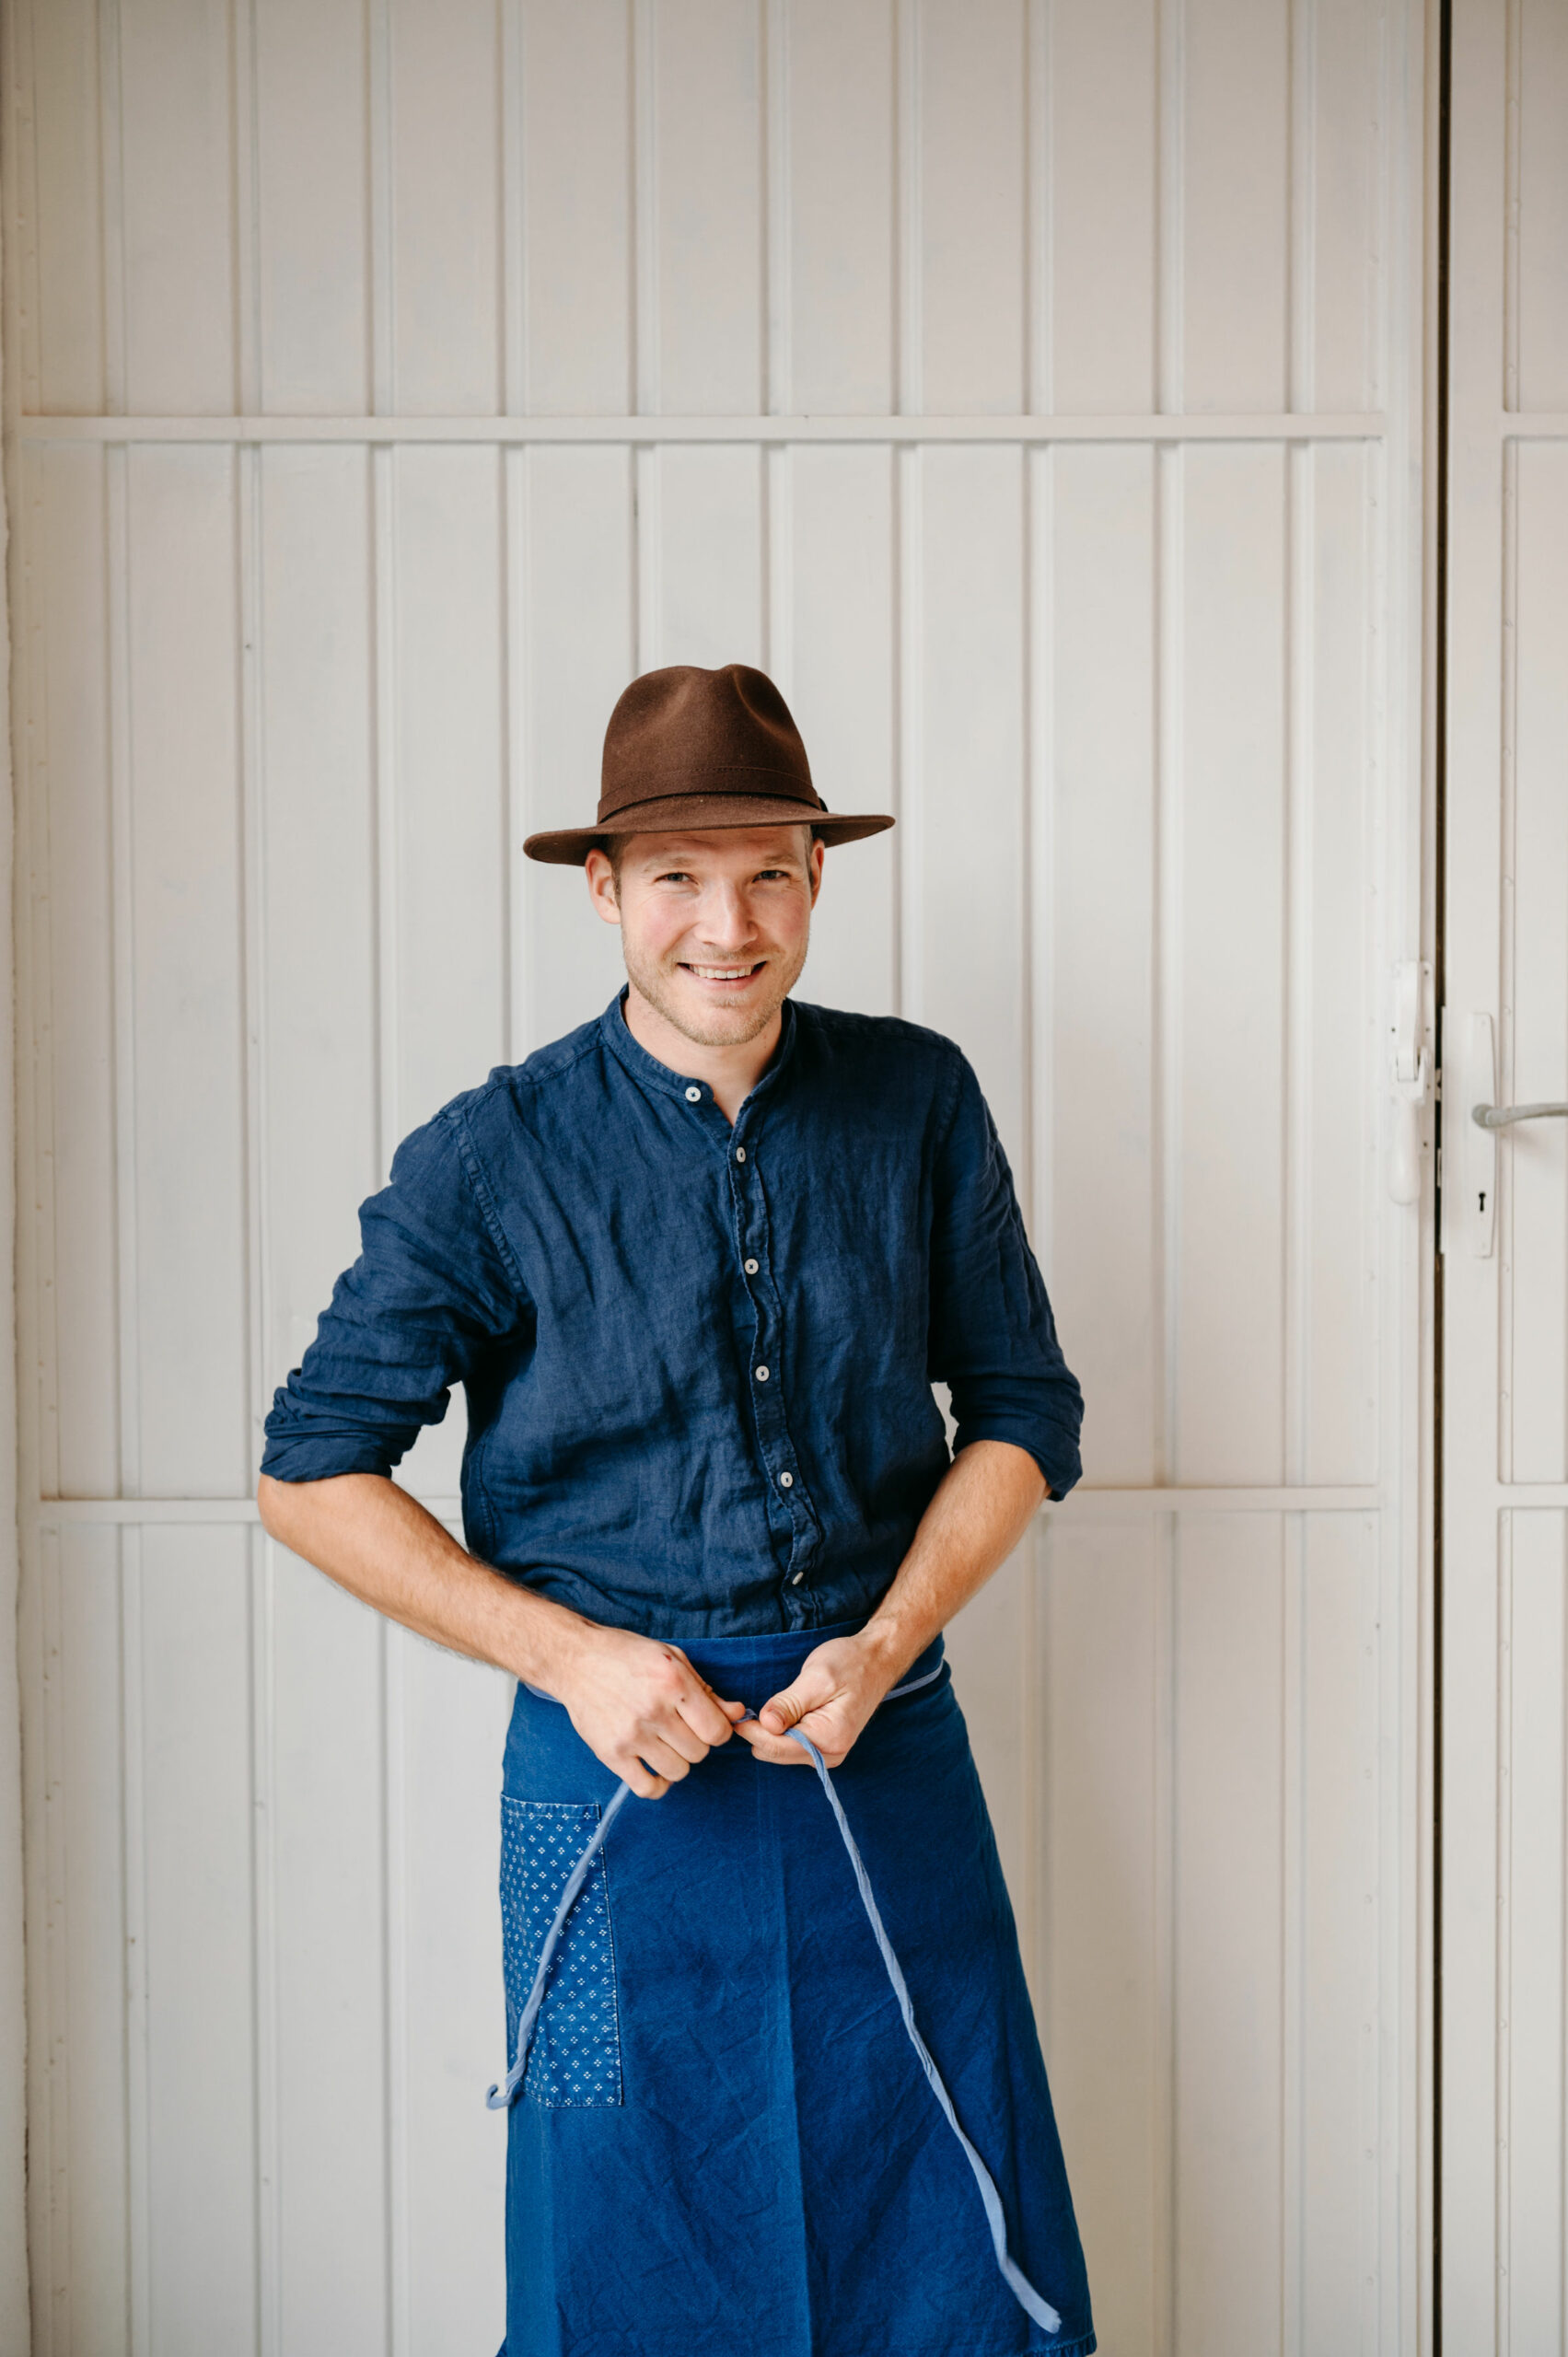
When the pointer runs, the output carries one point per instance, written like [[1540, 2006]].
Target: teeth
[[720, 973]]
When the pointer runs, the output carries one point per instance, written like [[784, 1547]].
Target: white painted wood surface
[[1506, 1316], [1036, 391]]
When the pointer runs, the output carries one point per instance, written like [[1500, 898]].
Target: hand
[[836, 1689], [639, 1707]]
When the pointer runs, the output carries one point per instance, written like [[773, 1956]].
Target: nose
[[725, 922]]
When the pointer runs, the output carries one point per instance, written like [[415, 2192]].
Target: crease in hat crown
[[689, 750]]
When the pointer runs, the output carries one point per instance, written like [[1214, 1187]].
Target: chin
[[722, 1026]]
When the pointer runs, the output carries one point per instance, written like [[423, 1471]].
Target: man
[[697, 1266]]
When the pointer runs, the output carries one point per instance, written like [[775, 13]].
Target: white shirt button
[[786, 1480], [693, 1096], [750, 1266], [740, 1153], [761, 1375], [798, 1577]]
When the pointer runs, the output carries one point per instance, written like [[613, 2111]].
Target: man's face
[[714, 928]]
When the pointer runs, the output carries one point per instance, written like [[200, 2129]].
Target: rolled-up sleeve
[[992, 1336], [432, 1291]]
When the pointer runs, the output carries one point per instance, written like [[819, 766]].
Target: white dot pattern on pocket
[[575, 2056]]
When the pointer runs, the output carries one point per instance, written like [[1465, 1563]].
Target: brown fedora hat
[[688, 749]]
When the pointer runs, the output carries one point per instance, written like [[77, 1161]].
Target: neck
[[731, 1071]]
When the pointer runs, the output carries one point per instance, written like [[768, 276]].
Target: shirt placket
[[791, 1514], [770, 1344]]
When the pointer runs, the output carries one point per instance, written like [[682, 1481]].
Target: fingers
[[711, 1720], [782, 1712], [653, 1766], [784, 1752], [665, 1721]]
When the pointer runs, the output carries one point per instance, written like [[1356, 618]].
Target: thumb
[[781, 1710]]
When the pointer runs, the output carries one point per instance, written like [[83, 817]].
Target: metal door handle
[[1497, 1117]]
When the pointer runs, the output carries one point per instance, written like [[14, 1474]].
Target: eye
[[774, 876], [673, 875]]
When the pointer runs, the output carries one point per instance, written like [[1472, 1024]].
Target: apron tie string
[[499, 2098]]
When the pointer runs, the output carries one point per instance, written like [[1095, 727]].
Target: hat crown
[[684, 730]]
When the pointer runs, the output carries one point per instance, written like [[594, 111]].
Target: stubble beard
[[716, 1026]]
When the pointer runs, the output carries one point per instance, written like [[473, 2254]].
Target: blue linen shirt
[[698, 1359]]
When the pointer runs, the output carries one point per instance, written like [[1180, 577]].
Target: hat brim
[[700, 814]]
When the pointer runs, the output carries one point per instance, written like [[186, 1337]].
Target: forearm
[[982, 1507], [384, 1546]]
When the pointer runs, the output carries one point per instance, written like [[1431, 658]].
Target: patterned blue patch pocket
[[575, 2055]]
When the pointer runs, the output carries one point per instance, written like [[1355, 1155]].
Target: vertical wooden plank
[[841, 183], [451, 849], [984, 1648], [840, 689], [175, 70], [455, 1724], [1533, 1163], [313, 206], [446, 206], [1338, 2028], [579, 657], [195, 1761], [709, 557], [1098, 1997], [1349, 166], [1535, 1828], [188, 1026], [316, 839], [1540, 327], [91, 1931], [1235, 150], [451, 878], [39, 2131], [1337, 1018], [1103, 166], [968, 888], [1230, 1015], [1228, 1960], [970, 134], [1100, 936], [66, 334], [327, 1810], [707, 347], [576, 207], [69, 769]]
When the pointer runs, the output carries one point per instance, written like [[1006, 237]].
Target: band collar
[[630, 1051]]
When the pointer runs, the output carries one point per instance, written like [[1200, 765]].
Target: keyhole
[[1483, 1199]]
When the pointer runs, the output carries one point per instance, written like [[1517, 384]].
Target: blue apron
[[735, 2126]]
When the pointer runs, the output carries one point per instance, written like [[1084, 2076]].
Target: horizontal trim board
[[51, 1513], [1281, 425]]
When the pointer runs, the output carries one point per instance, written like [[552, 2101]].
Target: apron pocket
[[575, 2058]]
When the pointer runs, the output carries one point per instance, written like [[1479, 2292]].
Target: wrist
[[551, 1640], [889, 1647]]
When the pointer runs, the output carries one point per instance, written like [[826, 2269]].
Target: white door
[[1036, 391], [1505, 1945]]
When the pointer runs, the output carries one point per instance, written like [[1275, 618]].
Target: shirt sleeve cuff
[[311, 1459], [1053, 1450]]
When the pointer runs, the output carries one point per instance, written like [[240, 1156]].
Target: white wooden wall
[[1505, 1319], [1034, 388]]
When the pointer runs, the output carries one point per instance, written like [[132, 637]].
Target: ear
[[601, 886], [815, 863]]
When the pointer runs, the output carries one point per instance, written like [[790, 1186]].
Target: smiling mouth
[[730, 975]]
